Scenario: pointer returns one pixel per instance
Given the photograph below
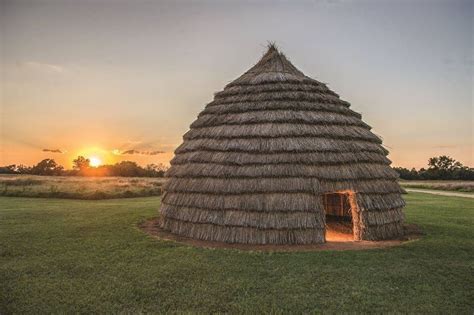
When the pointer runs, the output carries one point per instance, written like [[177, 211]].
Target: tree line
[[441, 168], [81, 167]]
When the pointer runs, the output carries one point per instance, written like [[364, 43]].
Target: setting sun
[[95, 161]]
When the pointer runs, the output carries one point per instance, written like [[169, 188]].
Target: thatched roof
[[253, 166]]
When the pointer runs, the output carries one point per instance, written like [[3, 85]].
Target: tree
[[47, 167], [81, 163], [403, 172], [445, 167], [127, 169], [9, 169], [440, 167], [23, 169], [155, 170], [444, 163]]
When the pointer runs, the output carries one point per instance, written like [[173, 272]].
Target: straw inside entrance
[[338, 212]]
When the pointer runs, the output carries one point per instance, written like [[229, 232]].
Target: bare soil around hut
[[336, 240]]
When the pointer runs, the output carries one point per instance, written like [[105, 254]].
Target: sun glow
[[95, 161]]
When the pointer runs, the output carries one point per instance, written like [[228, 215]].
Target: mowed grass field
[[76, 187], [68, 256]]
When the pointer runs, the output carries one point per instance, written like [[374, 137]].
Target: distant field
[[62, 256], [78, 187], [451, 185], [74, 187]]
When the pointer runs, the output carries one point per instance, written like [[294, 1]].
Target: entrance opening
[[338, 212]]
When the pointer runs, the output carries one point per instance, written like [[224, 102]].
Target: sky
[[100, 78]]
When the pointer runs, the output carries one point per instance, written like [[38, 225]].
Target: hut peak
[[273, 66], [275, 61]]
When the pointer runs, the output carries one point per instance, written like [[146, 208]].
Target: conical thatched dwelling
[[271, 157]]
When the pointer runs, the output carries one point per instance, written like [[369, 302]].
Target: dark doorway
[[338, 212]]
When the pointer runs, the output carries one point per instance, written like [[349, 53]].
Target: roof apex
[[273, 66]]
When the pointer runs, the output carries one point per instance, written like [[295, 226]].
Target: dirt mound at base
[[334, 240]]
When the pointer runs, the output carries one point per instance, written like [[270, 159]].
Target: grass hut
[[273, 158]]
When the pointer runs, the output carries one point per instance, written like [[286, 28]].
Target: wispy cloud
[[41, 66], [332, 2], [137, 152], [53, 150], [142, 147]]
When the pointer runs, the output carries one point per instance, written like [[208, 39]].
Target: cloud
[[53, 150], [332, 2], [131, 152], [141, 147], [40, 66]]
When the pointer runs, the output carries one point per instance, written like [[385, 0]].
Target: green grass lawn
[[64, 256]]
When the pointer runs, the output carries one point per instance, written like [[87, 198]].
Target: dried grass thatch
[[255, 164]]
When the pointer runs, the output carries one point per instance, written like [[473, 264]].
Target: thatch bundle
[[255, 165]]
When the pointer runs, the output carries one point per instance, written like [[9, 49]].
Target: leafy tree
[[47, 167], [444, 163], [9, 169], [441, 167], [23, 169], [155, 170], [127, 169], [81, 163], [403, 172]]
